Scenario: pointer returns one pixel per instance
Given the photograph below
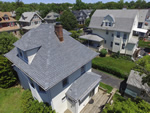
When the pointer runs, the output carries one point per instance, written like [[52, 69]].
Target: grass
[[122, 65], [10, 100], [105, 86], [144, 44]]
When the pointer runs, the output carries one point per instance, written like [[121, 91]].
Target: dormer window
[[108, 21], [22, 55]]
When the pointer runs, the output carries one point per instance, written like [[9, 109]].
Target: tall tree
[[68, 20], [6, 42]]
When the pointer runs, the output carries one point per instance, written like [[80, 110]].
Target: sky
[[63, 1]]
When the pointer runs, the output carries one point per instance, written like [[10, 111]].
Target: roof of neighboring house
[[133, 40], [27, 16], [13, 28], [83, 85], [142, 14], [52, 16], [135, 80], [2, 14], [54, 60], [124, 19], [92, 37]]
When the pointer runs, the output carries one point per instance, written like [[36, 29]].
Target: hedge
[[111, 70]]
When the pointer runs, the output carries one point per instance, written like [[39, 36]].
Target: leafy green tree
[[68, 20], [29, 105], [74, 34], [143, 66], [87, 22], [6, 42], [7, 74]]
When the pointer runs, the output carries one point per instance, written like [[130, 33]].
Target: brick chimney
[[59, 31]]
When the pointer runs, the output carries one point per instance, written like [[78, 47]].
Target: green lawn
[[10, 100], [105, 86], [118, 67], [144, 44]]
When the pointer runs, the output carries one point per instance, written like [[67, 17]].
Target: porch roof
[[140, 30], [83, 85], [92, 37]]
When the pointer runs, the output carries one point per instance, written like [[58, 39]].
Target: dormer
[[6, 17], [108, 21], [27, 56]]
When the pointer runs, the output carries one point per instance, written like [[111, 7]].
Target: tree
[[6, 42], [7, 74], [68, 20], [143, 66], [87, 22], [29, 105]]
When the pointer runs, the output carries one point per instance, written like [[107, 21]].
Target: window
[[107, 32], [124, 36], [102, 24], [123, 46], [118, 34], [105, 41], [41, 89], [82, 69], [31, 82], [111, 44], [117, 44], [109, 23], [64, 99], [106, 23], [112, 35], [65, 82]]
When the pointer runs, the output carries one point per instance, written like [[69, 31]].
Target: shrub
[[111, 70], [29, 105], [103, 52], [7, 75]]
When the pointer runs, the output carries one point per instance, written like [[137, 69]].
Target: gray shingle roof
[[83, 85], [142, 14], [123, 19], [27, 16], [54, 60], [52, 16], [135, 80]]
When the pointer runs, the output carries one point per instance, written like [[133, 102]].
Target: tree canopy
[[143, 66], [68, 20], [7, 74], [6, 42]]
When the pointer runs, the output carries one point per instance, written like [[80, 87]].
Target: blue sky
[[62, 1]]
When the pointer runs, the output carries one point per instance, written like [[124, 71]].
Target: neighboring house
[[8, 23], [51, 17], [136, 88], [116, 30], [55, 67], [29, 20], [82, 15]]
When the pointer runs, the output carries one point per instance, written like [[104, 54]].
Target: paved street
[[109, 79]]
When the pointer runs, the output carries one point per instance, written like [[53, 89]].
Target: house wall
[[58, 92], [54, 95], [134, 89], [36, 20]]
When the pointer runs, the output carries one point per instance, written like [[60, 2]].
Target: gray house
[[82, 15], [51, 17], [29, 20], [55, 67], [136, 88]]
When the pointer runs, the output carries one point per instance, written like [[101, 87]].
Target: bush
[[29, 105], [111, 70], [7, 75], [103, 52], [117, 55]]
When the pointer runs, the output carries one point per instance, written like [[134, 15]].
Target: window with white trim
[[118, 34]]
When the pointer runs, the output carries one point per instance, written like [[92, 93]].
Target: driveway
[[109, 79]]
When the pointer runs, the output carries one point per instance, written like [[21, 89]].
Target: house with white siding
[[29, 20], [55, 67], [117, 30]]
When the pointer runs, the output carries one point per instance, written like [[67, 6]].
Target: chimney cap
[[58, 23]]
